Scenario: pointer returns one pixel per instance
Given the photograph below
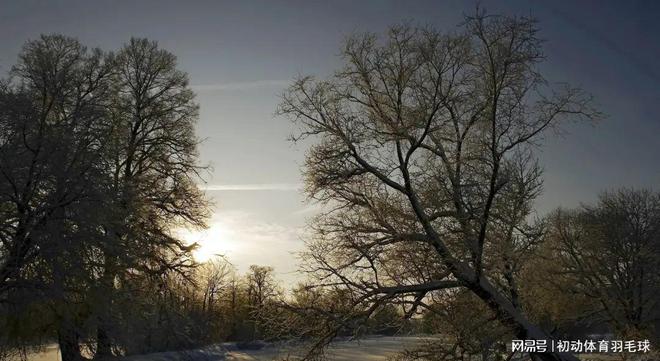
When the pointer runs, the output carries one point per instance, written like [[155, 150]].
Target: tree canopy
[[424, 153]]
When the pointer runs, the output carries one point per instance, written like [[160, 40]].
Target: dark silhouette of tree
[[53, 121], [153, 166], [609, 253], [423, 154], [98, 163]]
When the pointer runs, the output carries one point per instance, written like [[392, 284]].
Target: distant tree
[[610, 254], [261, 290], [260, 285], [214, 277], [214, 280], [423, 153], [235, 308]]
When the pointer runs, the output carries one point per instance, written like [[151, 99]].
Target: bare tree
[[152, 162], [261, 290], [424, 156], [214, 282], [98, 166], [215, 275], [610, 253], [53, 130]]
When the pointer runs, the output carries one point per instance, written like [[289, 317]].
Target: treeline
[[98, 167], [216, 304]]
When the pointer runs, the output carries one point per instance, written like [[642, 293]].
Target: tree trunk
[[103, 344], [106, 291], [512, 316], [69, 343]]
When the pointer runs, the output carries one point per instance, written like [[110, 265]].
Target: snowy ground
[[370, 349], [209, 353], [47, 353]]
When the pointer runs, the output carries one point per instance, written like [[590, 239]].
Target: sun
[[213, 241]]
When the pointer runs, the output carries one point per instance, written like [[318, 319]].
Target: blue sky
[[241, 54]]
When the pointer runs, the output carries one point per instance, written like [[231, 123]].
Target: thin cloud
[[245, 239], [247, 85], [253, 187]]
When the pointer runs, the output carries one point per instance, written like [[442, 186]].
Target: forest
[[424, 158]]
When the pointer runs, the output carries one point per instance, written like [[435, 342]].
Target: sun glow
[[215, 241]]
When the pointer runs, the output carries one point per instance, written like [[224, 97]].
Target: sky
[[240, 55]]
